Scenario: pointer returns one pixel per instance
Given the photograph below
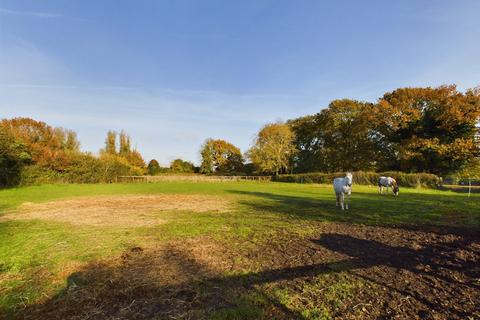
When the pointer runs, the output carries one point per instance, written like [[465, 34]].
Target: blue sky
[[173, 73]]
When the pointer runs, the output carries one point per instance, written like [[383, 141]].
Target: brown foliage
[[48, 146], [429, 129], [410, 129]]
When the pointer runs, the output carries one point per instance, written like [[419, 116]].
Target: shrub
[[82, 168], [181, 166], [364, 178], [112, 166], [53, 156], [153, 167], [35, 175], [415, 179], [13, 156]]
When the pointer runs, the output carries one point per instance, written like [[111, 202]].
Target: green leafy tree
[[13, 156], [339, 138], [347, 140], [220, 156], [273, 148], [153, 167], [308, 142], [181, 166]]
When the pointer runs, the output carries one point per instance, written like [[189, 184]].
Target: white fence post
[[469, 186]]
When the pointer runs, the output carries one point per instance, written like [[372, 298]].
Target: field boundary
[[460, 188], [194, 178]]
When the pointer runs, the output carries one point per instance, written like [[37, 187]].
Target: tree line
[[33, 152], [433, 130], [176, 166]]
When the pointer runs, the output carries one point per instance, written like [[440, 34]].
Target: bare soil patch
[[405, 273], [123, 211]]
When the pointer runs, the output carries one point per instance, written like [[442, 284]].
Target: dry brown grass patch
[[122, 211]]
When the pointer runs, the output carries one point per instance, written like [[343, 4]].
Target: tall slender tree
[[125, 144], [111, 143]]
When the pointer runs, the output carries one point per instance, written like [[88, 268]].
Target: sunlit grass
[[35, 254]]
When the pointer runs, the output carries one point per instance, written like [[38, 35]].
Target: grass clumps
[[322, 298]]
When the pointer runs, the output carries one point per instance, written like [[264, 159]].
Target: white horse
[[388, 182], [342, 187]]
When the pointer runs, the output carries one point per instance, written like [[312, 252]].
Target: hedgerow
[[364, 178]]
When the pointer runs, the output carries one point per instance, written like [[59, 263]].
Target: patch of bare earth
[[142, 283], [123, 211], [405, 273]]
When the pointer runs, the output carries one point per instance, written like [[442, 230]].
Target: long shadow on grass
[[368, 208], [172, 284], [435, 268]]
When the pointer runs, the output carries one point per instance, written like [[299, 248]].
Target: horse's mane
[[394, 182]]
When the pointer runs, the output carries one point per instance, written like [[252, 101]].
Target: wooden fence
[[195, 178]]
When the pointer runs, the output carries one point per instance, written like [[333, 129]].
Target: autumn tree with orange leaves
[[410, 129], [428, 129], [48, 146], [34, 152]]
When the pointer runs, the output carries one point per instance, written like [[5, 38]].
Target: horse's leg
[[347, 198], [342, 200], [337, 203]]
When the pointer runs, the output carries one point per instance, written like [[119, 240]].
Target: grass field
[[236, 250]]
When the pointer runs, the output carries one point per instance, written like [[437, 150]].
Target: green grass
[[319, 299], [33, 252], [246, 306]]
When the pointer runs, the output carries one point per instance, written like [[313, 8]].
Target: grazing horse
[[342, 187], [388, 182]]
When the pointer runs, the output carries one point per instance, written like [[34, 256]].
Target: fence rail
[[161, 178]]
